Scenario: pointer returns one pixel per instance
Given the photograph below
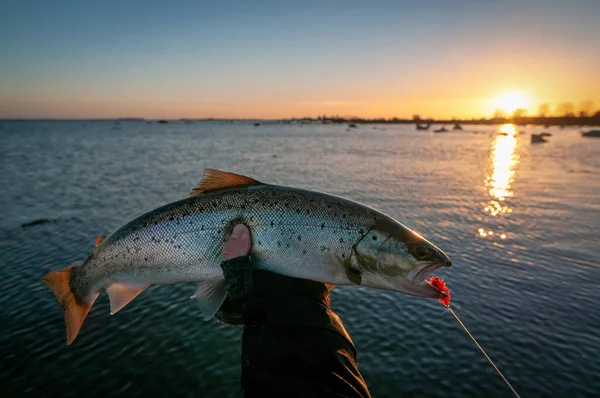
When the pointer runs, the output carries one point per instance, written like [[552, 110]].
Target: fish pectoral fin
[[213, 180], [121, 294], [210, 295]]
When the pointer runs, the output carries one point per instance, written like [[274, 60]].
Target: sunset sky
[[106, 59]]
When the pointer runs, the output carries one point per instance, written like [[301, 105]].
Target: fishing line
[[441, 286], [484, 353]]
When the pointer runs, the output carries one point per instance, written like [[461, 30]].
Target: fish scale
[[182, 241], [295, 232]]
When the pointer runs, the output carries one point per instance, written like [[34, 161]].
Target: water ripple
[[530, 297]]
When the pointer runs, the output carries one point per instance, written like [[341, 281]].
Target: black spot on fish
[[323, 226], [299, 237], [146, 259], [272, 224], [202, 228], [341, 240], [287, 245], [329, 206], [279, 243], [243, 207], [259, 243], [303, 251], [343, 255], [374, 237]]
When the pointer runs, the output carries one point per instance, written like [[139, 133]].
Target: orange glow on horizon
[[511, 101]]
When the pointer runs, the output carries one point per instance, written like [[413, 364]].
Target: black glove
[[293, 343]]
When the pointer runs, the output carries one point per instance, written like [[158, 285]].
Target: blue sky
[[276, 59]]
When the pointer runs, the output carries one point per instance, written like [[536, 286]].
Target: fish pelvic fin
[[214, 180], [75, 311], [210, 296], [121, 294]]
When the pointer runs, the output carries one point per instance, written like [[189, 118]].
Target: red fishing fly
[[440, 285]]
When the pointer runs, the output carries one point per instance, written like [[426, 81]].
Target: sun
[[511, 101]]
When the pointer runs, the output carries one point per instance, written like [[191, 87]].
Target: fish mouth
[[422, 271], [419, 286]]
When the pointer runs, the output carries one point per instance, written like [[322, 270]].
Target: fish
[[295, 232]]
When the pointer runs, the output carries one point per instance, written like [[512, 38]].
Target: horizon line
[[593, 115]]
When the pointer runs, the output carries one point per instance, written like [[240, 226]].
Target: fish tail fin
[[75, 311]]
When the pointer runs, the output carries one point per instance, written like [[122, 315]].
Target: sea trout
[[295, 232]]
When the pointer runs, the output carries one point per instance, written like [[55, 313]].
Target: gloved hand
[[250, 288], [293, 344]]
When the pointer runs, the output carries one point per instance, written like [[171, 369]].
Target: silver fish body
[[295, 232]]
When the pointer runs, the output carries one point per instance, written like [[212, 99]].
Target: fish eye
[[421, 252], [374, 237]]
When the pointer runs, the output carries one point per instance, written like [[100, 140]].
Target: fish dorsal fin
[[100, 239], [213, 180]]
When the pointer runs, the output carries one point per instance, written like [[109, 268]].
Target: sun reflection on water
[[503, 161]]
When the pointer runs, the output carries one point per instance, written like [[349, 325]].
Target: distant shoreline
[[531, 120]]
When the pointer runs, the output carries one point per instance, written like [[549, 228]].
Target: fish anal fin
[[75, 310], [214, 180], [121, 294], [210, 296], [100, 239]]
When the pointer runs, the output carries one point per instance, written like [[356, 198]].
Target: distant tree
[[586, 108], [519, 113], [499, 114], [565, 109], [416, 117], [543, 110]]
